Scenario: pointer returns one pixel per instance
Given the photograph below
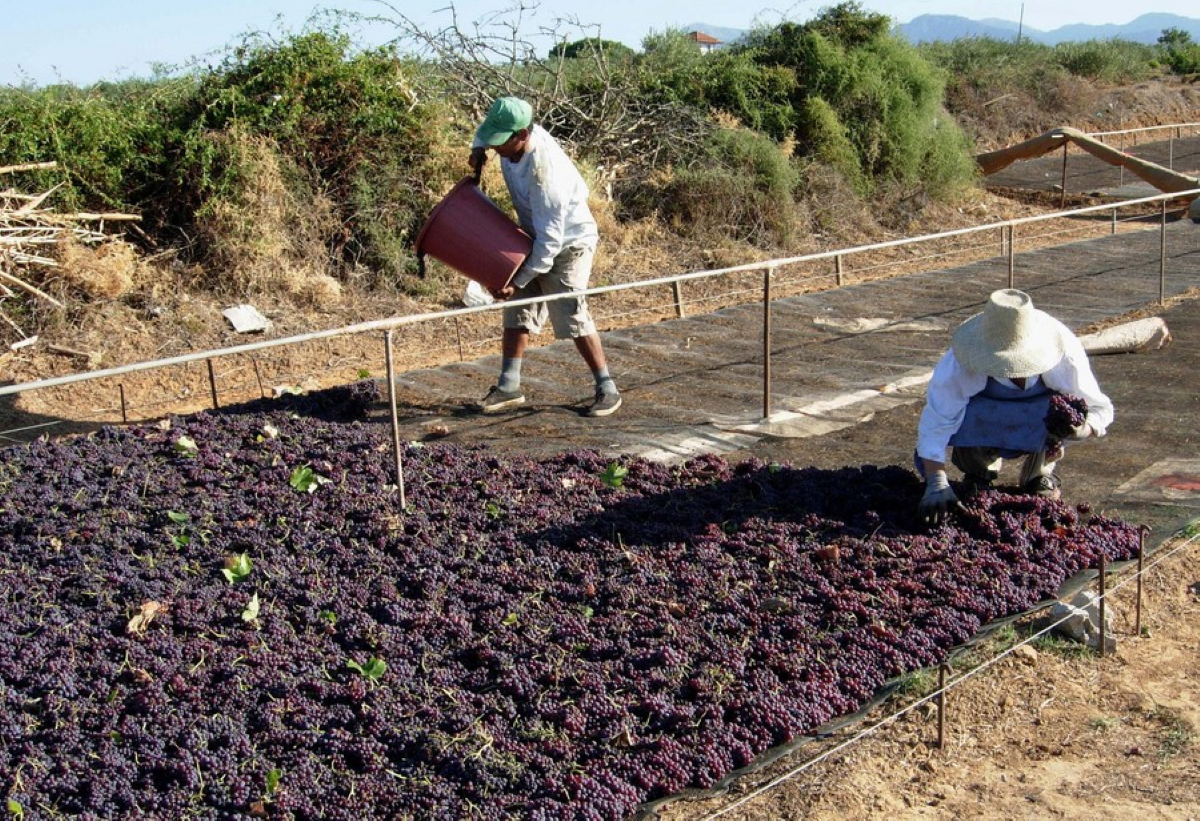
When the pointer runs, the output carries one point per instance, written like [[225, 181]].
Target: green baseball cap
[[507, 116]]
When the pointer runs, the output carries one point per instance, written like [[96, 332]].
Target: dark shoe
[[972, 485], [1045, 486], [605, 404], [497, 400]]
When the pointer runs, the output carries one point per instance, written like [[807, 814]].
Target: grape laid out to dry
[[231, 616], [1065, 414]]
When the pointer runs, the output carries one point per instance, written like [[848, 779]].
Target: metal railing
[[768, 269]]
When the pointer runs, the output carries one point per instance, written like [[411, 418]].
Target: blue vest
[[1006, 417]]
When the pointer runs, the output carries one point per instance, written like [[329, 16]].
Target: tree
[[1174, 38], [590, 46]]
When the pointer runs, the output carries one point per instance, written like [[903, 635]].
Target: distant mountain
[[1145, 29], [931, 28]]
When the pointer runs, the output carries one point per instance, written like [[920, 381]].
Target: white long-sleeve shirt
[[551, 199], [952, 386]]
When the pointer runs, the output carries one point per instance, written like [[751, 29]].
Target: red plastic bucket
[[470, 234]]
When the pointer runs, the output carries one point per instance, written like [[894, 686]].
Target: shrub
[[1115, 61], [863, 95], [745, 189]]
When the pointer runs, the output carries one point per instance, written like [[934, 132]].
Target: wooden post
[[837, 267], [391, 381], [677, 291], [124, 413]]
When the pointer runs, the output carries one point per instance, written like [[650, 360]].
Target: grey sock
[[604, 381], [510, 375]]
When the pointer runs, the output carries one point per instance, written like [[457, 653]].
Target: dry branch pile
[[30, 234]]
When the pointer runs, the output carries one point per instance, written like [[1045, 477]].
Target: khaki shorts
[[570, 317]]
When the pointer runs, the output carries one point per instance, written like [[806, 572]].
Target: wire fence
[[211, 379], [947, 685]]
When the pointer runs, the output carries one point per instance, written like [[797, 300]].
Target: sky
[[84, 41]]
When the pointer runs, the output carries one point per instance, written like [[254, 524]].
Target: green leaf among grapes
[[614, 475], [186, 446], [237, 568], [306, 480], [373, 669]]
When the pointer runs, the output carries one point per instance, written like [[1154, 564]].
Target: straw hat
[[1010, 338]]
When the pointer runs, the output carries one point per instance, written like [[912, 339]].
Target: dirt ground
[[1046, 732]]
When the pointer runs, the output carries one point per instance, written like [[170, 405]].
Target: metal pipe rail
[[673, 280], [1142, 130]]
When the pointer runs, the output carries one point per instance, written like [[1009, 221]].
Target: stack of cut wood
[[28, 232]]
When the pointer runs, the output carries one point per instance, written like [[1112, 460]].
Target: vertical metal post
[[837, 269], [767, 273], [1141, 560], [257, 375], [1012, 252], [1103, 602], [1003, 240], [124, 414], [458, 337], [677, 291], [1062, 201], [1121, 168], [212, 384], [1171, 152], [391, 381], [1162, 255], [941, 707], [1114, 222]]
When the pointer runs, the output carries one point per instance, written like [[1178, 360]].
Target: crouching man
[[988, 398]]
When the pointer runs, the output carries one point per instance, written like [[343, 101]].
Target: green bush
[[110, 140], [865, 98], [1115, 61], [590, 48], [1004, 65], [350, 124], [744, 190]]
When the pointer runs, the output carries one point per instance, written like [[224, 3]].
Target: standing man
[[551, 199], [988, 399]]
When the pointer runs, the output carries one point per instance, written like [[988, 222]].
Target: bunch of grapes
[[1065, 414]]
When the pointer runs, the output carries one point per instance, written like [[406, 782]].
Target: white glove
[[1081, 432], [938, 500]]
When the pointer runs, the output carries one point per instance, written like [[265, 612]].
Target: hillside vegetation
[[302, 168]]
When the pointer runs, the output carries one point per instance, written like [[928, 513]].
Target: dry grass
[[270, 236]]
